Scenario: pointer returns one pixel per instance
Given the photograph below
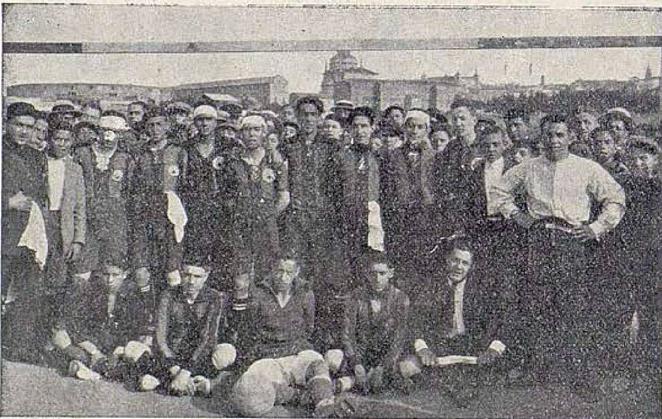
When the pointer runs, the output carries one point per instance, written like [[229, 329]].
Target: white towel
[[34, 237], [375, 231], [176, 215]]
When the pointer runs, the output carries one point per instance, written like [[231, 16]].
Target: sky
[[303, 69]]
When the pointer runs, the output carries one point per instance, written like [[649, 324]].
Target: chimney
[[542, 80]]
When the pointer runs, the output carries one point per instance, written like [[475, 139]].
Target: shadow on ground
[[37, 391]]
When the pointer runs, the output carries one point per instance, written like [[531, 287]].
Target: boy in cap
[[158, 214], [619, 122], [258, 192], [179, 118], [24, 204]]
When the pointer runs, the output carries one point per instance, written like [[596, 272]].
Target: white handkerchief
[[176, 215], [34, 236], [375, 231]]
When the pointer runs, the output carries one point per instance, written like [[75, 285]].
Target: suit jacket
[[73, 218], [475, 207], [23, 169], [483, 321]]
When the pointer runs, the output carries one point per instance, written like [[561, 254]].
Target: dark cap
[[644, 143], [21, 109], [310, 100], [178, 107], [112, 112]]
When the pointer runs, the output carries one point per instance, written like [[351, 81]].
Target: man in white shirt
[[65, 272], [560, 189]]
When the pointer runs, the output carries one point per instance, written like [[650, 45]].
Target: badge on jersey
[[173, 170], [117, 175], [217, 163], [268, 175]]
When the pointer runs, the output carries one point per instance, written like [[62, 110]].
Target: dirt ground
[[38, 391]]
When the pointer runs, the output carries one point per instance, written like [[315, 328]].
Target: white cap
[[253, 121], [114, 123], [622, 112], [205, 111], [418, 115]]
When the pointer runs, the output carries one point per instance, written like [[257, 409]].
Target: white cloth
[[564, 189], [457, 321], [56, 170], [493, 173], [176, 214], [375, 230], [103, 157], [34, 236]]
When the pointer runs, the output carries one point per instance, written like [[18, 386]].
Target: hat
[[205, 111], [644, 143], [112, 112], [419, 115], [312, 100], [228, 125], [253, 121], [253, 395], [113, 123], [343, 104], [231, 108], [223, 115], [177, 107], [621, 114], [21, 109], [64, 106]]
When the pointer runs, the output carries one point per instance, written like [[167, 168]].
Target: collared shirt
[[493, 173], [56, 169], [457, 321], [564, 189]]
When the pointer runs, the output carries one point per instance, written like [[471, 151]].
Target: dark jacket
[[23, 169], [373, 339], [285, 330], [153, 235], [472, 214], [189, 332], [108, 196], [486, 317]]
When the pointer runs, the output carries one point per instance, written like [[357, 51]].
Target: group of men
[[301, 255]]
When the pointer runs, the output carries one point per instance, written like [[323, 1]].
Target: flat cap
[[21, 109], [205, 111], [113, 123], [177, 107]]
